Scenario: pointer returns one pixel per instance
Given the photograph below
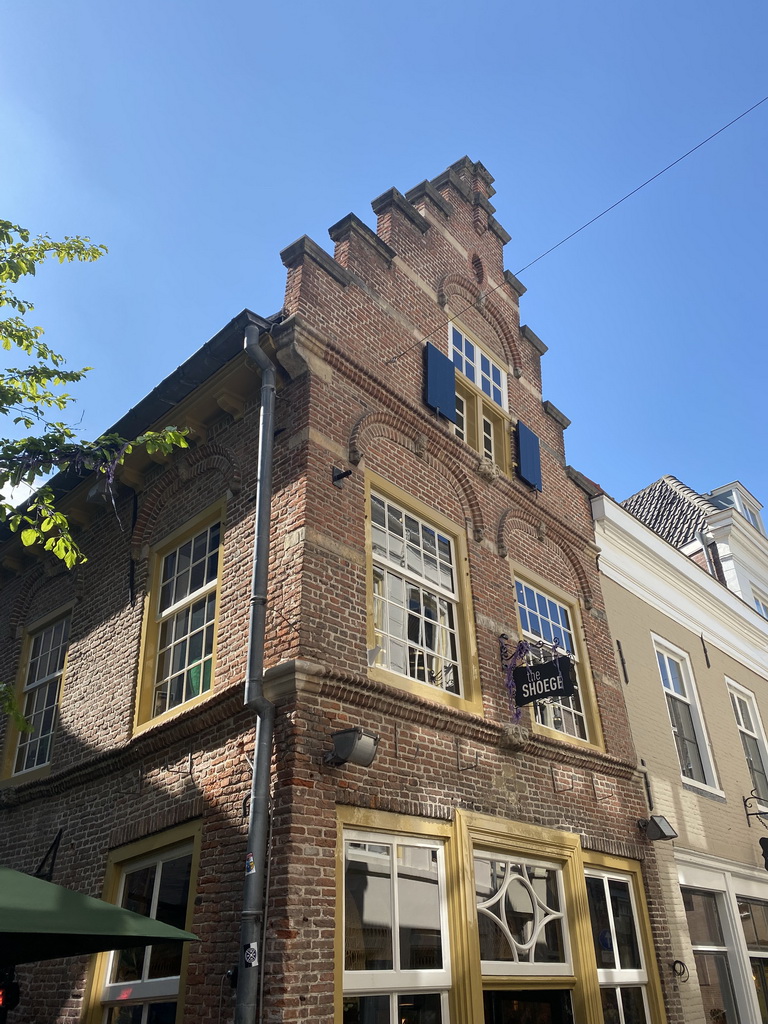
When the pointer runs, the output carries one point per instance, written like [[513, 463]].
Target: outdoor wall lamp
[[352, 746], [657, 827]]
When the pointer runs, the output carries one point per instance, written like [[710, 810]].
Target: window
[[42, 689], [685, 716], [396, 958], [142, 985], [544, 619], [753, 915], [761, 602], [710, 954], [621, 969], [415, 597], [520, 916], [183, 613], [750, 516], [481, 403], [752, 737]]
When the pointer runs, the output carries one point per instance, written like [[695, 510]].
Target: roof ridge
[[688, 492]]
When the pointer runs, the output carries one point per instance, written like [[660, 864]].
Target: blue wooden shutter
[[439, 382], [528, 456]]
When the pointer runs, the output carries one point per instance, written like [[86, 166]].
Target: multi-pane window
[[685, 717], [753, 915], [752, 738], [142, 983], [520, 916], [620, 967], [545, 620], [710, 953], [415, 595], [396, 964], [186, 619], [42, 685], [481, 419], [478, 367]]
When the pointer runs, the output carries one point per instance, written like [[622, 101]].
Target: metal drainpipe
[[252, 917]]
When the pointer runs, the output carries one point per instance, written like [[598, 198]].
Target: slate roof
[[671, 509]]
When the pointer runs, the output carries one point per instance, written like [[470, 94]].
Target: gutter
[[253, 919]]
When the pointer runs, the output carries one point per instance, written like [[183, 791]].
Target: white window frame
[[740, 694], [477, 366], [547, 712], [732, 940], [392, 619], [144, 992], [760, 600], [35, 688], [622, 977], [690, 698], [522, 968], [396, 981]]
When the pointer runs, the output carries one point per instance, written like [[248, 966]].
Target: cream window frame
[[741, 695], [482, 422], [470, 696], [155, 617], [540, 722], [690, 697]]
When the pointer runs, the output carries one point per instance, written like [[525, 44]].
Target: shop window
[[753, 915], [621, 970], [154, 877], [396, 953], [47, 651], [685, 715], [181, 629], [710, 954], [520, 916]]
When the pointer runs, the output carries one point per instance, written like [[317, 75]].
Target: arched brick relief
[[512, 521], [207, 458], [373, 426], [455, 286], [36, 581]]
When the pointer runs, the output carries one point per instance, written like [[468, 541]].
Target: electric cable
[[597, 217]]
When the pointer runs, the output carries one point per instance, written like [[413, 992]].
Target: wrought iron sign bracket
[[753, 798]]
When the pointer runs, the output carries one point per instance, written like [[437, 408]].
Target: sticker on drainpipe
[[250, 866], [251, 954]]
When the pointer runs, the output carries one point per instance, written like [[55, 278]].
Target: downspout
[[253, 917]]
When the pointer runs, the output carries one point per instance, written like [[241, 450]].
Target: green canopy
[[43, 921]]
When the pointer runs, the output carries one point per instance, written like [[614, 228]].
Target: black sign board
[[549, 679]]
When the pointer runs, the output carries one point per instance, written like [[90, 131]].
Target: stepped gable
[[676, 512]]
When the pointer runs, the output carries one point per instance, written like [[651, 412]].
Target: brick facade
[[349, 352]]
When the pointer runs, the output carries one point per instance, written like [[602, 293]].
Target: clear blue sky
[[197, 140]]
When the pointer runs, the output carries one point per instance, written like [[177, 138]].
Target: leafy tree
[[31, 395]]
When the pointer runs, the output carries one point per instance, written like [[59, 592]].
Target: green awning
[[43, 921]]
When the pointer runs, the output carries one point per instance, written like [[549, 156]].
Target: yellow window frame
[[12, 732], [587, 696], [150, 641], [188, 833], [471, 698]]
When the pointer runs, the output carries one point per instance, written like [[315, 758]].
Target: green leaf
[[28, 537]]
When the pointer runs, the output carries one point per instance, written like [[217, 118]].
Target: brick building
[[683, 578], [487, 864]]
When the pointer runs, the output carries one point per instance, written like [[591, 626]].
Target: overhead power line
[[647, 182], [608, 209]]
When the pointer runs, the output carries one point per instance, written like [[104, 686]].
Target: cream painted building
[[693, 656]]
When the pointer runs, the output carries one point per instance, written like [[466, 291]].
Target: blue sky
[[198, 140]]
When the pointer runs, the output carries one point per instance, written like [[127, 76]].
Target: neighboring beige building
[[693, 656]]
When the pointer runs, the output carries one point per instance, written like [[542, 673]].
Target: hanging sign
[[549, 679]]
